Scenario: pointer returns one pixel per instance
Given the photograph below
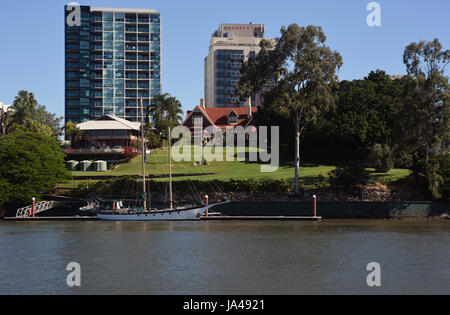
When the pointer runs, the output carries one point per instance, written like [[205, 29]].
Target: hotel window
[[108, 74], [119, 27], [108, 64], [119, 46], [85, 64], [108, 55], [120, 84], [130, 18], [120, 74], [120, 36], [154, 28], [73, 112], [84, 45], [108, 26], [84, 83], [108, 92], [84, 92], [144, 85], [154, 37], [120, 93], [96, 112], [155, 56], [84, 101], [120, 102], [131, 85], [108, 102], [143, 94], [120, 64], [119, 17], [108, 36], [108, 83], [155, 18], [108, 17], [73, 75], [108, 45], [73, 93], [142, 38], [73, 46], [73, 103], [120, 111], [120, 55], [73, 84]]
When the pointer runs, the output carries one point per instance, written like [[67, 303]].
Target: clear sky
[[32, 38]]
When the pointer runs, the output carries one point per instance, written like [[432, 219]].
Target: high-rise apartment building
[[113, 59], [231, 45]]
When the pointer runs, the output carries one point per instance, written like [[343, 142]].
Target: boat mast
[[170, 169], [143, 156]]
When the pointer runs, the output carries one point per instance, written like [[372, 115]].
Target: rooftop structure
[[221, 117]]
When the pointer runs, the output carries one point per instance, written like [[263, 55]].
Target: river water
[[222, 258]]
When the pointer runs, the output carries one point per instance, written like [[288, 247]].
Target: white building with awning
[[109, 131]]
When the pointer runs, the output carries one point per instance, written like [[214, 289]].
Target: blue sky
[[32, 38]]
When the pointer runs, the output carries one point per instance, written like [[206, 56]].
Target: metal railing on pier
[[40, 207]]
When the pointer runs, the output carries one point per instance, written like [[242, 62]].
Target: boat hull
[[181, 215]]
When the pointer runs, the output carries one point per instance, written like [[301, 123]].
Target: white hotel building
[[231, 45]]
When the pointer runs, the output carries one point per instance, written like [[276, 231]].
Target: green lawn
[[311, 176]]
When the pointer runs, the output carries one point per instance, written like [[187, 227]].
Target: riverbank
[[269, 198], [251, 210]]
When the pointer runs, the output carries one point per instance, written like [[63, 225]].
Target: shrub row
[[129, 187]]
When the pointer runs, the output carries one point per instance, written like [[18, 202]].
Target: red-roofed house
[[221, 117]]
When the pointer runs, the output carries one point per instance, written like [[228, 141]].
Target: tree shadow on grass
[[314, 181], [387, 179]]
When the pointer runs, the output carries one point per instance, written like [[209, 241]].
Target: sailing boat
[[171, 214]]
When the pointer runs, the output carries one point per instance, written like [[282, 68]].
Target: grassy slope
[[159, 165]]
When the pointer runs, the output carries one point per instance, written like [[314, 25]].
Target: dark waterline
[[202, 258]]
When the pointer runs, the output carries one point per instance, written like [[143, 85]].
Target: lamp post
[[315, 205]]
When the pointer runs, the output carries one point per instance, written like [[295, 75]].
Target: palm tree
[[174, 111], [168, 108], [72, 132], [24, 109], [160, 102]]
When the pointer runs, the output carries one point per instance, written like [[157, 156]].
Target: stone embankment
[[372, 193]]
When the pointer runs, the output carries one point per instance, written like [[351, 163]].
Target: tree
[[256, 73], [168, 108], [23, 110], [26, 112], [72, 132], [153, 136], [364, 124], [30, 164], [303, 71], [427, 97], [51, 120]]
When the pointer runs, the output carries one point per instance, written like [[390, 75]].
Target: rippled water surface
[[198, 258]]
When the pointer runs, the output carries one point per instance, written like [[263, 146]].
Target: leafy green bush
[[31, 163], [349, 176], [130, 187]]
